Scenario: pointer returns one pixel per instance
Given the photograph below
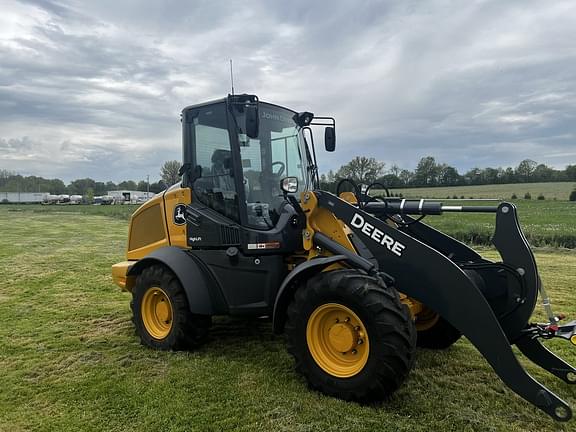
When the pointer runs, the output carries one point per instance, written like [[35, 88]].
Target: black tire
[[389, 327], [441, 335], [187, 331]]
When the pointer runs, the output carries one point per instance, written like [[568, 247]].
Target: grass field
[[550, 222], [545, 223], [558, 190], [70, 360]]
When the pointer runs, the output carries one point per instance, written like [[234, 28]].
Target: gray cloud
[[96, 89], [16, 146]]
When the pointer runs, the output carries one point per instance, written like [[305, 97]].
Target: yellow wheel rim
[[157, 313], [426, 319], [337, 340]]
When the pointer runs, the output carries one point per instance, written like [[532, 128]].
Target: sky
[[95, 88]]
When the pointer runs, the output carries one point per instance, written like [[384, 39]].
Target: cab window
[[216, 187]]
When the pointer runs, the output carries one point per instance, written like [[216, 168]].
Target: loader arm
[[431, 277]]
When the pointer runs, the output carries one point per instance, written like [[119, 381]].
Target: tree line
[[14, 182], [361, 169], [429, 173]]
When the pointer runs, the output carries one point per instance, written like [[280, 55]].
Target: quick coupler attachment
[[553, 330], [529, 344]]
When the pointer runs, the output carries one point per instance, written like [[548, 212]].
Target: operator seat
[[221, 170]]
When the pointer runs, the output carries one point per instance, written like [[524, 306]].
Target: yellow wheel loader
[[355, 282]]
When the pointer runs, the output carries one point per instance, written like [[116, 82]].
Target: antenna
[[231, 77]]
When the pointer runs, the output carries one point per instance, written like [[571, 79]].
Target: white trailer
[[76, 199], [130, 197], [23, 197]]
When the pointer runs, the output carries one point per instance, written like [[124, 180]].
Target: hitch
[[552, 330]]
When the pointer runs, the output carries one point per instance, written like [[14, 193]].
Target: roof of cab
[[215, 101]]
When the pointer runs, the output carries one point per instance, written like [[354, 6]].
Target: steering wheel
[[281, 170]]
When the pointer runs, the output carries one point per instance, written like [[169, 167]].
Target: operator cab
[[236, 152]]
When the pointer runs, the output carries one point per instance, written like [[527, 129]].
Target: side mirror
[[329, 139], [184, 169], [252, 121], [189, 174], [289, 185]]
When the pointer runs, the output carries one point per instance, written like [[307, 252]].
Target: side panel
[[147, 229], [175, 200], [249, 283]]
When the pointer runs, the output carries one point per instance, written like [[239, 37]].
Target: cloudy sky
[[94, 88]]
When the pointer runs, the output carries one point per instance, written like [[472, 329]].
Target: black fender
[[288, 287], [203, 293]]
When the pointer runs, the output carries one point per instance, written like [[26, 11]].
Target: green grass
[[116, 211], [549, 222], [70, 361], [558, 190], [545, 223]]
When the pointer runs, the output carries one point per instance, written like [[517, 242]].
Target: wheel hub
[[162, 311], [157, 313], [337, 340], [341, 337]]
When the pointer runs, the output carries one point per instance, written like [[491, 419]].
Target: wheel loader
[[355, 282]]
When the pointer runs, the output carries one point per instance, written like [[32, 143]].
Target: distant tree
[[489, 176], [514, 196], [426, 172], [80, 186], [127, 185], [509, 176], [570, 172], [157, 187], [541, 196], [5, 175], [169, 172], [330, 177], [89, 197], [395, 170], [527, 195], [449, 176], [473, 176], [142, 186], [110, 186], [328, 182], [55, 187], [100, 188], [390, 181], [525, 169], [406, 177], [361, 170], [572, 196], [542, 173]]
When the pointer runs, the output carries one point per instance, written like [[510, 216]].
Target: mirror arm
[[314, 167]]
